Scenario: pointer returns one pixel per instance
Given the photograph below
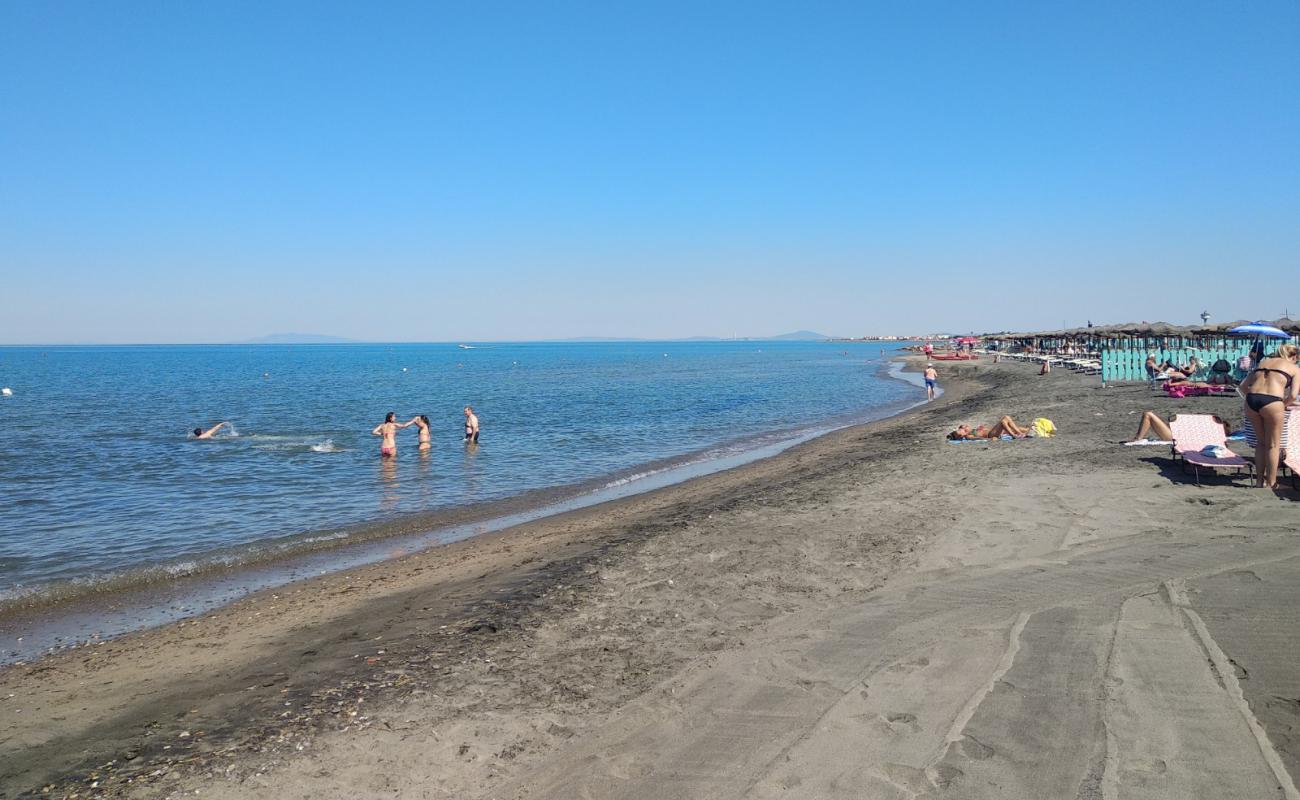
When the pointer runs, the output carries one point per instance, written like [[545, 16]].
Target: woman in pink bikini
[[388, 429]]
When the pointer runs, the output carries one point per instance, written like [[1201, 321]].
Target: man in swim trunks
[[199, 433], [471, 425], [931, 380], [388, 430]]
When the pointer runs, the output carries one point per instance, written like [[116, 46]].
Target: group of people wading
[[390, 426]]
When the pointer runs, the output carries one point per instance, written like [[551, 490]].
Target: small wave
[[326, 446], [329, 537], [636, 476], [165, 573]]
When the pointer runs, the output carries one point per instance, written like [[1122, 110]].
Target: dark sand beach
[[876, 613]]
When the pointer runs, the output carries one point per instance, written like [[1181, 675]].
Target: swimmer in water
[[471, 425], [199, 433], [422, 422], [388, 430]]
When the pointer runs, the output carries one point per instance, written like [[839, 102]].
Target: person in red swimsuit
[[388, 430]]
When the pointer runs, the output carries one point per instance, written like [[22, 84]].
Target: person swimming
[[199, 433], [388, 430]]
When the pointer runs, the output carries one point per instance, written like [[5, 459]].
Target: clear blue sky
[[180, 171]]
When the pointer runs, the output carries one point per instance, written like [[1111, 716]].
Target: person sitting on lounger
[[1005, 426]]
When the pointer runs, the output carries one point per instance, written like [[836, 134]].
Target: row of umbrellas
[[1283, 328]]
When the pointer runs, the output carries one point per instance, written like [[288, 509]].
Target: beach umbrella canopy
[[1260, 330]]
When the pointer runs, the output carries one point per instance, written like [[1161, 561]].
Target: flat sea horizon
[[103, 487]]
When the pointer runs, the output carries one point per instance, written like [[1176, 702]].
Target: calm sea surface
[[101, 481]]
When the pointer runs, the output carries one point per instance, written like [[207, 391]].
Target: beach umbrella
[[1260, 330]]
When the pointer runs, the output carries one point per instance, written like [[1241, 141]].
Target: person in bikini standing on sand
[[931, 380], [199, 433], [471, 425], [388, 429], [1269, 388]]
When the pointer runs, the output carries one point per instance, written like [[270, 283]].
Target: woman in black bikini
[[1269, 389]]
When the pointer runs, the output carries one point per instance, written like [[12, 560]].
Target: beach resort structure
[[1118, 353]]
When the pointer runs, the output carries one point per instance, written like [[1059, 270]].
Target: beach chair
[[1192, 433]]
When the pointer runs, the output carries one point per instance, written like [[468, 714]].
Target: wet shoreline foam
[[46, 619]]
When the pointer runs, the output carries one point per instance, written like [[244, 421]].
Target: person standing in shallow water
[[422, 422], [931, 380], [388, 430], [471, 425]]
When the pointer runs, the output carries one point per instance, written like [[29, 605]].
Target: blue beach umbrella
[[1261, 330]]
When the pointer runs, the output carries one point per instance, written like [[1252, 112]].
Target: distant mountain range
[[796, 336], [299, 338], [802, 336], [317, 338]]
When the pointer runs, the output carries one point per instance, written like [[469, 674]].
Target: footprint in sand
[[945, 775], [974, 749]]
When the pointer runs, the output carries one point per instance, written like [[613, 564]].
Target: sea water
[[102, 482]]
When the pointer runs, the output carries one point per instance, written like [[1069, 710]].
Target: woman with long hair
[[1270, 387], [388, 430], [422, 422]]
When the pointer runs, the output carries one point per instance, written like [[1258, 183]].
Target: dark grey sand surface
[[875, 614]]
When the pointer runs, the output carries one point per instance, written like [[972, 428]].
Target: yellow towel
[[1043, 427]]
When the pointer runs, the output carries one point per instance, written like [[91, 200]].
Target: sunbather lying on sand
[[1006, 426]]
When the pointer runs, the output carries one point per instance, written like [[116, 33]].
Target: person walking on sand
[[931, 381], [471, 425], [199, 433], [422, 422], [1270, 387], [388, 430]]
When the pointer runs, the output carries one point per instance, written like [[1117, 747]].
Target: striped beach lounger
[[1192, 433]]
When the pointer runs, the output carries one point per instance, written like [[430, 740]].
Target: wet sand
[[875, 613]]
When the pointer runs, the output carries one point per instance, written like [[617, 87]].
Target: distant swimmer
[[199, 433], [931, 380], [422, 422], [471, 425], [388, 429]]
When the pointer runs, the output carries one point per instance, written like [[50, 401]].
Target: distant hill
[[797, 336], [299, 338], [802, 336]]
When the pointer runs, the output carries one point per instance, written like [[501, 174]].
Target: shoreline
[[52, 619], [522, 572]]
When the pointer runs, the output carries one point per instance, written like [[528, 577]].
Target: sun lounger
[[1184, 390], [1192, 433]]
